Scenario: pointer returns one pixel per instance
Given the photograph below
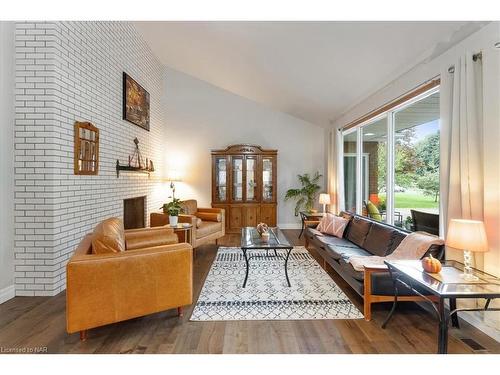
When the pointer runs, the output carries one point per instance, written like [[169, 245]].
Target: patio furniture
[[374, 213], [425, 221]]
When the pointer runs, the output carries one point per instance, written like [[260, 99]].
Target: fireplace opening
[[134, 213]]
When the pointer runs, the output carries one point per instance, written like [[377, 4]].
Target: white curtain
[[461, 143]]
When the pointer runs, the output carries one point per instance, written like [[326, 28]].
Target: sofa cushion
[[332, 224], [207, 228], [345, 251], [373, 211], [332, 240], [396, 240], [314, 232], [379, 239], [358, 230], [109, 237], [209, 216], [189, 207], [348, 216]]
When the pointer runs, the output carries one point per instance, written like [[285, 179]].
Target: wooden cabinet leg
[[180, 312], [83, 335]]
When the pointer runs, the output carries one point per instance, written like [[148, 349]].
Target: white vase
[[173, 220]]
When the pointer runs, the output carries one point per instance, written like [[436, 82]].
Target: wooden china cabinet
[[244, 184]]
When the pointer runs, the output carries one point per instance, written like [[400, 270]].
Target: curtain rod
[[475, 57], [420, 89]]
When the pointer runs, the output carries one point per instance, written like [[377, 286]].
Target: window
[[350, 171], [391, 163], [374, 136]]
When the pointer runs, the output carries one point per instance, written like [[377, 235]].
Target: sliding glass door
[[391, 164], [374, 181], [350, 171]]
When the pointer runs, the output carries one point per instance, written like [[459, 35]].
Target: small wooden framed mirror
[[86, 148]]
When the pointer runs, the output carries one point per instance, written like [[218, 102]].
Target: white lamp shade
[[467, 235], [173, 175], [324, 199]]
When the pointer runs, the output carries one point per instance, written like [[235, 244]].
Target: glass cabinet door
[[237, 179], [220, 179], [267, 179], [251, 183]]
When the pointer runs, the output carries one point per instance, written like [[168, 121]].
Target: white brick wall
[[69, 71]]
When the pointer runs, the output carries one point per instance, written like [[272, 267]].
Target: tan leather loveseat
[[209, 224], [118, 274]]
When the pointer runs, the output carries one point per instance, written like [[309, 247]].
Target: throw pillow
[[333, 225], [198, 222], [209, 216], [373, 211], [109, 237]]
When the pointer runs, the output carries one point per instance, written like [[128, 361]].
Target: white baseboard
[[7, 293], [472, 319], [289, 226]]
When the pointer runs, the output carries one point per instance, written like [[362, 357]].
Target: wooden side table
[[309, 216]]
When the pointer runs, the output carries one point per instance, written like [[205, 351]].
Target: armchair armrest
[[108, 288], [214, 210], [147, 230], [311, 223], [149, 237], [191, 219]]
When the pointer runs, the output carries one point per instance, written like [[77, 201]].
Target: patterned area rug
[[313, 294]]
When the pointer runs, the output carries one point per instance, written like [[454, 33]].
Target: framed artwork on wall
[[86, 148], [135, 102]]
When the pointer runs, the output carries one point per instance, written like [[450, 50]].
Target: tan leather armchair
[[209, 224], [117, 274]]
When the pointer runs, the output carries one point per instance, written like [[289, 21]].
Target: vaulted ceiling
[[312, 70]]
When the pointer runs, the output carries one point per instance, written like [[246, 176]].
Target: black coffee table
[[251, 240], [438, 287]]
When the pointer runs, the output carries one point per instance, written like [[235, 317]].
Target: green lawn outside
[[414, 200]]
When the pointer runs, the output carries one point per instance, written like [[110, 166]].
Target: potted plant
[[408, 223], [173, 209], [305, 196]]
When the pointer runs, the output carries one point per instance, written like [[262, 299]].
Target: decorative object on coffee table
[[305, 196], [135, 163], [469, 236], [262, 228], [135, 103], [173, 209], [324, 199], [86, 149]]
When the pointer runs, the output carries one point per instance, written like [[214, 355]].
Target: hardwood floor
[[39, 322]]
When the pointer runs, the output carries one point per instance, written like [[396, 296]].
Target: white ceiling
[[312, 70]]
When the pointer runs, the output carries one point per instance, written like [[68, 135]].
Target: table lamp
[[324, 199], [469, 236], [173, 176]]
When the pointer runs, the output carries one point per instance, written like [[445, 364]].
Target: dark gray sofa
[[364, 236]]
